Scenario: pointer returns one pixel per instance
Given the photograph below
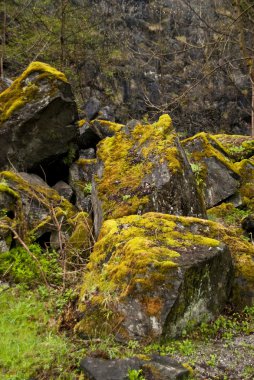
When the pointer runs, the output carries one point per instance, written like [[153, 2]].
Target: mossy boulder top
[[152, 275], [37, 114], [143, 168]]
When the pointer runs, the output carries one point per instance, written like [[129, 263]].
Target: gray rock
[[40, 123], [63, 189], [87, 137], [87, 153], [217, 179], [92, 108], [5, 83], [80, 179], [164, 367], [106, 113]]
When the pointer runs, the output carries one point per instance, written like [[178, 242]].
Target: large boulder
[[216, 175], [154, 275], [37, 117], [143, 168]]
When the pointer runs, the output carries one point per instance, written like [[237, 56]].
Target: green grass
[[30, 345]]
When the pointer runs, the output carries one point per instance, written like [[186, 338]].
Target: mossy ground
[[31, 346], [23, 91]]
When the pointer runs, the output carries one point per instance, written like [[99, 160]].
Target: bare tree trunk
[[62, 31], [252, 103], [3, 42]]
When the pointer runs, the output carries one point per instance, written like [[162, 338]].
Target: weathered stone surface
[[215, 173], [105, 128], [63, 189], [87, 137], [5, 233], [92, 108], [169, 46], [143, 168], [80, 179], [236, 147], [159, 274], [37, 117], [155, 368], [36, 209]]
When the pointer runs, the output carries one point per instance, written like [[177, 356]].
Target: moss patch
[[206, 150], [236, 147], [23, 91]]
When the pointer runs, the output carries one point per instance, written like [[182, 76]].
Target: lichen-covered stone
[[143, 168], [37, 114], [216, 175], [236, 147], [105, 128], [154, 275], [37, 209]]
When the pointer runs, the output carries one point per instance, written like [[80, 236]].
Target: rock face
[[153, 276], [37, 116], [143, 168], [169, 47]]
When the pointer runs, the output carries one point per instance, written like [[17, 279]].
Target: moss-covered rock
[[216, 175], [143, 168], [105, 128], [36, 113], [36, 209], [154, 275], [80, 178], [236, 147]]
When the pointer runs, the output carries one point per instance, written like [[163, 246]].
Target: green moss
[[136, 153], [20, 92], [206, 150], [236, 147]]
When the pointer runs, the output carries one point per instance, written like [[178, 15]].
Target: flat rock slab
[[164, 367]]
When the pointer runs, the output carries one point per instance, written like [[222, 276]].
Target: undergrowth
[[31, 346]]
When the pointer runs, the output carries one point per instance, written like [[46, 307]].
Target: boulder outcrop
[[31, 209], [155, 275], [143, 168], [37, 115]]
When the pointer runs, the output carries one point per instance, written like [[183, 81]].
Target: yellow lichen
[[206, 150], [110, 125], [21, 92], [128, 158]]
